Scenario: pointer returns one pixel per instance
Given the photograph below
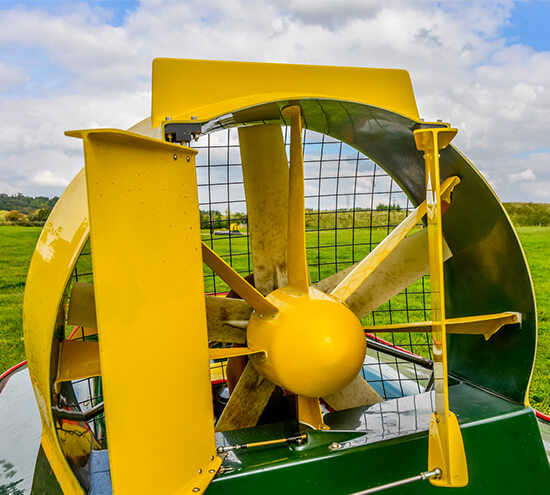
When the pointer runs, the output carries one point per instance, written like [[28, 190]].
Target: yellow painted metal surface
[[315, 346], [218, 371], [446, 448], [178, 92], [309, 413], [82, 306], [143, 266], [368, 265], [227, 352], [78, 359], [298, 272], [60, 242], [486, 325]]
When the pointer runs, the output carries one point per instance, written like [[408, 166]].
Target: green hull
[[502, 440]]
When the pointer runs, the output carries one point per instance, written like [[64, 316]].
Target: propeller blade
[[298, 273], [242, 287], [221, 314], [329, 283], [82, 306], [265, 174], [247, 402], [357, 393], [407, 263], [370, 263], [486, 325]]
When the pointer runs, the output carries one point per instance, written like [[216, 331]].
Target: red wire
[[543, 416], [9, 371], [372, 336], [73, 332]]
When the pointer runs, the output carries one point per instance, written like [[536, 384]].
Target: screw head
[[334, 446], [174, 156], [188, 158]]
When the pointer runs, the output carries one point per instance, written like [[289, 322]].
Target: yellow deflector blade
[[349, 285], [446, 448], [148, 284], [298, 272]]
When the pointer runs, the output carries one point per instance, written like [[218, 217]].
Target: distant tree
[[383, 207], [14, 216], [40, 215], [43, 214]]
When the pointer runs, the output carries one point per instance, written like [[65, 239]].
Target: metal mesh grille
[[351, 203]]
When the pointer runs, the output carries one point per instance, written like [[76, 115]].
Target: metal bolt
[[334, 446], [261, 315], [188, 158], [168, 117], [212, 457], [200, 471], [220, 450], [211, 471], [174, 156], [193, 117], [196, 489]]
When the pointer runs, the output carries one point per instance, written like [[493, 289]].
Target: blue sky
[[528, 24], [482, 65], [114, 11]]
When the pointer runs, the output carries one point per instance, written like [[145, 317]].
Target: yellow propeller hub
[[314, 346]]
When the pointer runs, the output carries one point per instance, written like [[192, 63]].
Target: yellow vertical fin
[[148, 285], [298, 274], [446, 447]]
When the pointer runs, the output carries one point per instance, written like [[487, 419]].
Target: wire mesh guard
[[351, 204]]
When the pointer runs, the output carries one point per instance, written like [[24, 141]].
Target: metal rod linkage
[[435, 473], [298, 439]]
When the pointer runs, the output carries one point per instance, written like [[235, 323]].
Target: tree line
[[18, 209]]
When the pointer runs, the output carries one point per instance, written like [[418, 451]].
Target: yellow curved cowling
[[188, 90], [54, 258]]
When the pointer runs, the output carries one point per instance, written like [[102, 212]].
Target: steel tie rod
[[422, 476]]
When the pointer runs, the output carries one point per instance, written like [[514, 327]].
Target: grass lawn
[[337, 249]]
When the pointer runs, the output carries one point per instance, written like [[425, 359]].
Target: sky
[[483, 66]]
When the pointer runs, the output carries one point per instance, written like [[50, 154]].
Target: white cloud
[[498, 95], [48, 178], [523, 176]]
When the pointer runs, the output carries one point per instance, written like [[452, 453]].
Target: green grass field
[[336, 250]]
